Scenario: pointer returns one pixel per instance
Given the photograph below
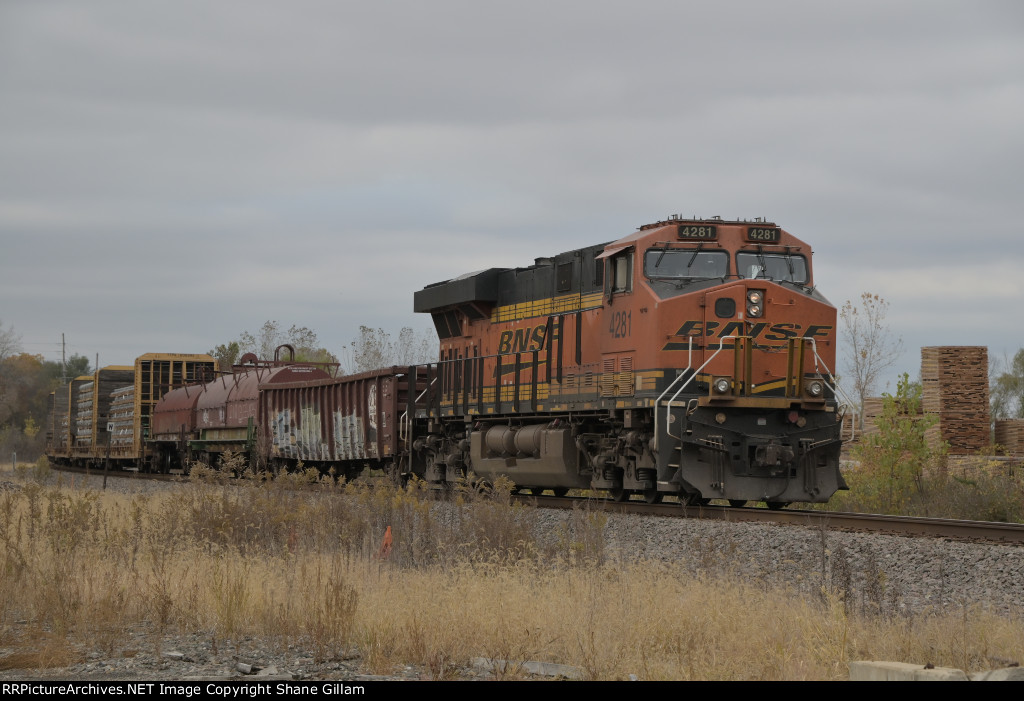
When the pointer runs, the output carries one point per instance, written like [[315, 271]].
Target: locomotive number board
[[762, 233], [698, 232]]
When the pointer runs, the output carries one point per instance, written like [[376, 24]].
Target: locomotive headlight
[[815, 388], [722, 385], [755, 303]]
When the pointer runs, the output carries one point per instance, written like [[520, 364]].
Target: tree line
[[373, 348], [26, 381]]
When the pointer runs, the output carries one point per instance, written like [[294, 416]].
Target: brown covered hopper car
[[204, 421]]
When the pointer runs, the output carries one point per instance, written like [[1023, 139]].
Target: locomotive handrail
[[657, 403], [818, 361], [836, 389], [668, 407], [404, 423]]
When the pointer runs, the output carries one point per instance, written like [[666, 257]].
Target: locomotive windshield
[[772, 266], [681, 264]]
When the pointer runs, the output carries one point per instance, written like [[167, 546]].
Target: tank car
[[690, 358]]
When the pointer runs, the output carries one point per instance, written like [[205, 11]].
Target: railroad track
[[118, 474], [910, 526]]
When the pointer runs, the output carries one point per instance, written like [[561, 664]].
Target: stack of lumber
[[872, 410], [83, 414], [873, 407], [121, 422], [849, 428], [1010, 435], [62, 434], [955, 387]]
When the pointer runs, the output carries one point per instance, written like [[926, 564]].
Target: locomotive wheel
[[737, 503], [652, 496], [618, 494]]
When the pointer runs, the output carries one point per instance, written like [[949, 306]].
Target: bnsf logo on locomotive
[[522, 340], [775, 332]]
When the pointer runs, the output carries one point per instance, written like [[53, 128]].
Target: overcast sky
[[173, 174]]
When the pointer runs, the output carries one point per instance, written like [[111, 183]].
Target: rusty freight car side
[[226, 411], [347, 423]]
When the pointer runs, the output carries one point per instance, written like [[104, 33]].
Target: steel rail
[[910, 526]]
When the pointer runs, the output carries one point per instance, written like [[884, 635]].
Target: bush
[[900, 472]]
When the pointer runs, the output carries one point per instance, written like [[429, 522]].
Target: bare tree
[[1006, 388], [265, 341], [870, 348], [10, 342], [376, 349], [416, 347], [10, 345]]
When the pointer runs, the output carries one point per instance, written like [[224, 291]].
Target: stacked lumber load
[[64, 438], [955, 388], [1010, 435], [873, 408], [75, 411], [61, 431], [850, 430], [107, 380], [83, 414], [121, 423]]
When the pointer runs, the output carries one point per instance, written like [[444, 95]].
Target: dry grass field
[[301, 562]]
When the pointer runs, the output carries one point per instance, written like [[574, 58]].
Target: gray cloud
[[173, 174]]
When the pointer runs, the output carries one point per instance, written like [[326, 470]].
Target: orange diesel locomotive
[[691, 358]]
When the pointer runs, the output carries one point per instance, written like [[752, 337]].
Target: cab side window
[[620, 273]]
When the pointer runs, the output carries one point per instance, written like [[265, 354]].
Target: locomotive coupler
[[772, 454]]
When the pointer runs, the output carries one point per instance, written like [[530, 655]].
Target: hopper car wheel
[[737, 503], [619, 494], [560, 492], [652, 496], [776, 505], [536, 491]]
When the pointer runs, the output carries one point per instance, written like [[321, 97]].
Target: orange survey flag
[[385, 546]]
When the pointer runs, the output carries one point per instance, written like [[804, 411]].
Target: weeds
[[38, 472], [298, 560]]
